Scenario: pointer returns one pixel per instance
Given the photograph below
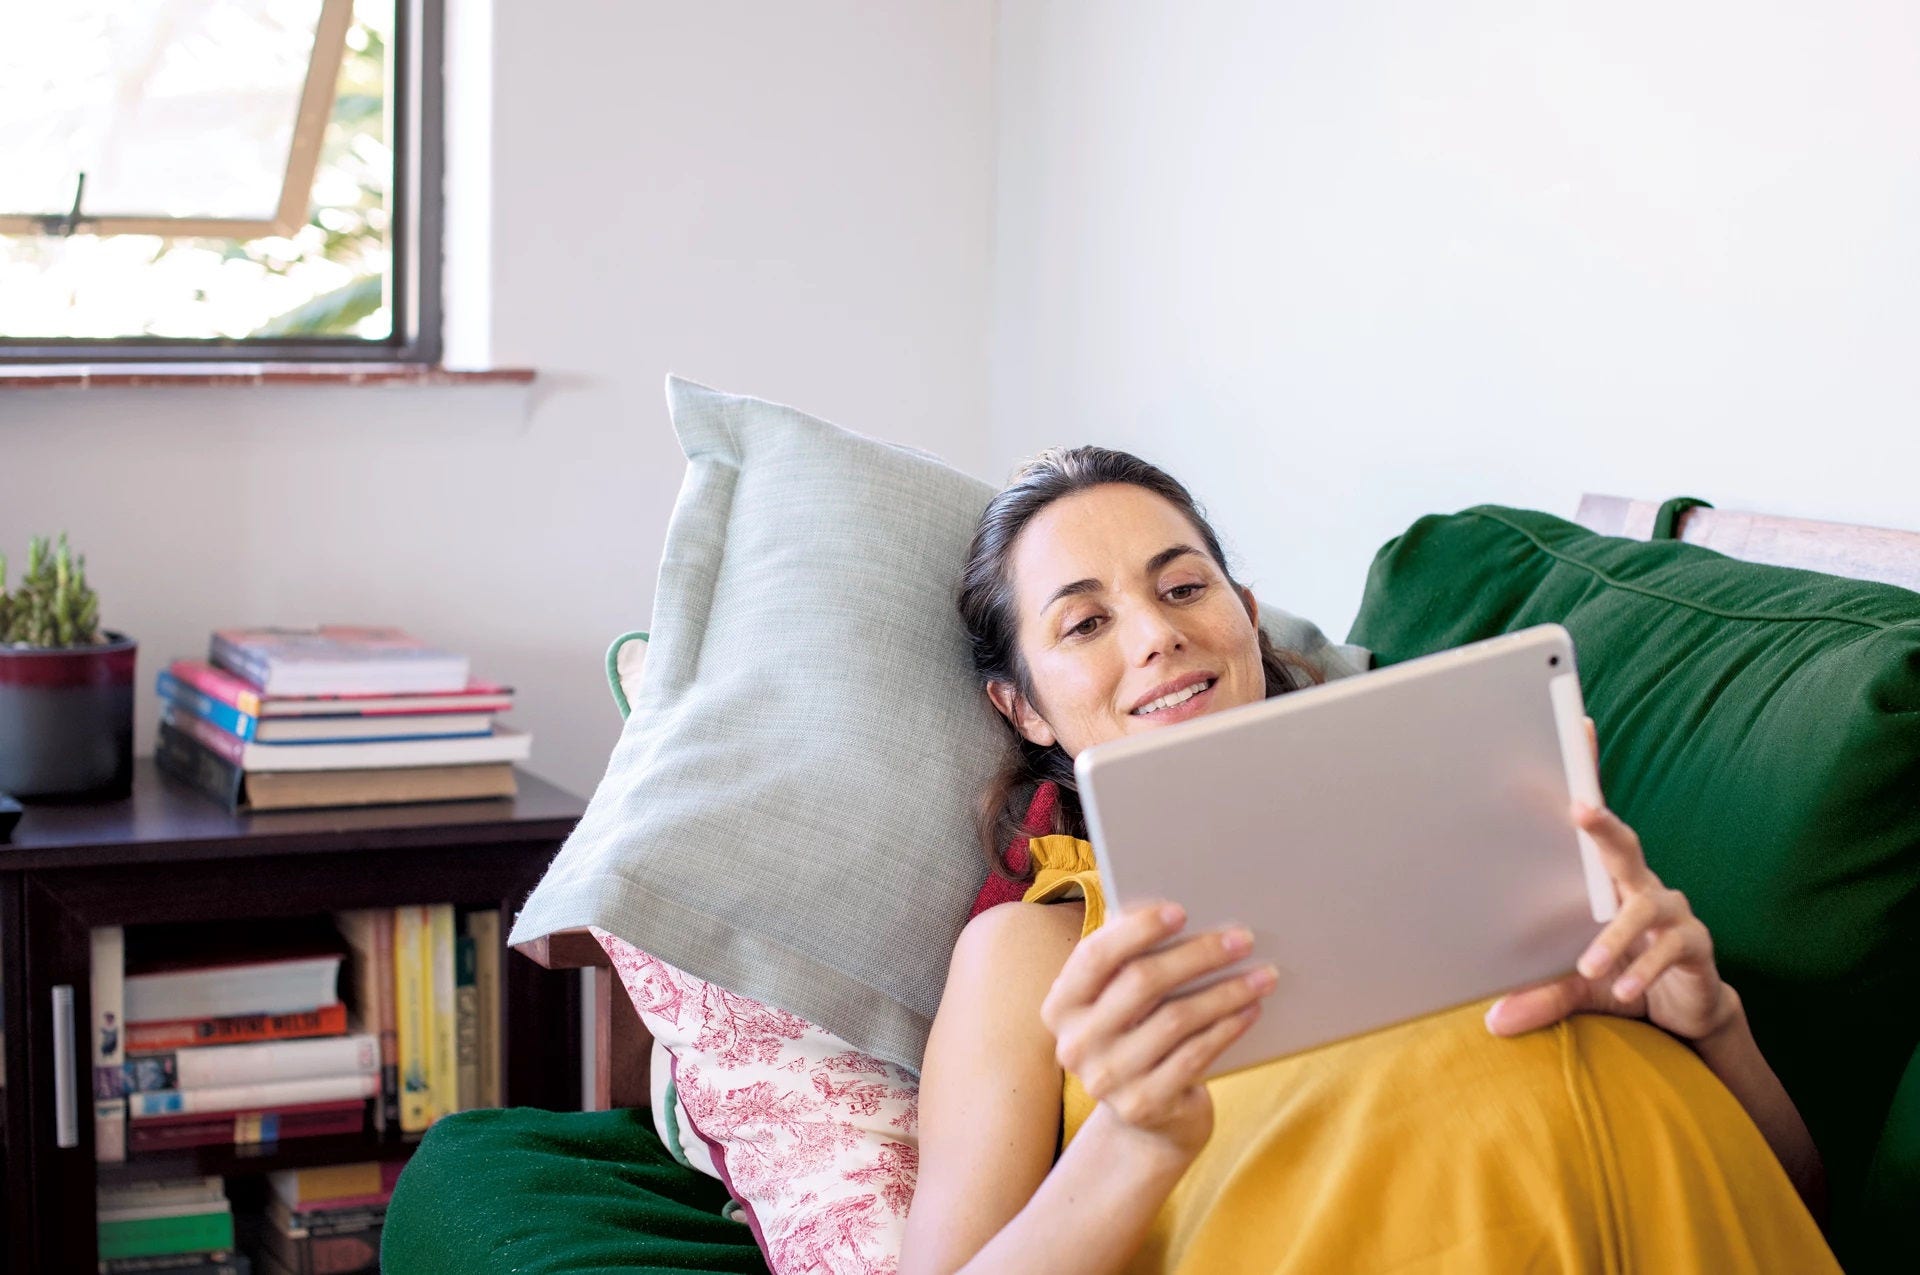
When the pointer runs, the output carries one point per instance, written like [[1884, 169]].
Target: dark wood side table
[[167, 854]]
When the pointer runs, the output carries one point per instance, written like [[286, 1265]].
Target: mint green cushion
[[1760, 728], [543, 1192]]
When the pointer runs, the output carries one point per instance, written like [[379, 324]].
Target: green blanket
[[533, 1192]]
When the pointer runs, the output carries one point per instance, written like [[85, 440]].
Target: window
[[220, 179]]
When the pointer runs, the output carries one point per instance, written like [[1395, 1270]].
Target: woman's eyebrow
[[1090, 585], [1167, 555]]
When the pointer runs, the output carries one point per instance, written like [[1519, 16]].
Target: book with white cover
[[337, 659], [215, 1066], [363, 729], [146, 1192], [503, 744], [267, 1096], [281, 985], [108, 988]]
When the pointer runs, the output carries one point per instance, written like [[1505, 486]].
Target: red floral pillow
[[817, 1142]]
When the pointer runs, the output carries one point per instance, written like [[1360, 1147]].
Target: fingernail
[[1264, 979], [1492, 1010], [1626, 988], [1171, 914], [1593, 961], [1238, 942]]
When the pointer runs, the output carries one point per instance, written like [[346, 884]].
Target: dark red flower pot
[[66, 719]]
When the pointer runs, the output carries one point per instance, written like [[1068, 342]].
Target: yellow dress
[[1600, 1144]]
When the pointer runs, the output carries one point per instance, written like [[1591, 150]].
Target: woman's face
[[1125, 623]]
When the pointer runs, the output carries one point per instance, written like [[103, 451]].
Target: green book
[[159, 1236]]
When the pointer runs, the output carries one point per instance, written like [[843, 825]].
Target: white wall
[[785, 200], [1340, 265]]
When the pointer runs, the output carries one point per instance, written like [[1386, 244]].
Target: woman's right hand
[[1141, 1054]]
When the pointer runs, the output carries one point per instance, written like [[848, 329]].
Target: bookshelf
[[165, 855]]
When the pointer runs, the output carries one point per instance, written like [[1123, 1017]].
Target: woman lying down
[[1620, 1119]]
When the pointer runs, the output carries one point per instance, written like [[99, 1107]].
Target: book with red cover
[[307, 1120], [236, 1029], [476, 697]]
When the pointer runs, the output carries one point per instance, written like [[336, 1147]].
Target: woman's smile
[[1184, 697]]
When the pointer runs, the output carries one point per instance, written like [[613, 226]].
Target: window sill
[[42, 376]]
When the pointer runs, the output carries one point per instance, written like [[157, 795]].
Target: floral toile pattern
[[818, 1140]]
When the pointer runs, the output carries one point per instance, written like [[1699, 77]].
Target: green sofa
[[1759, 726]]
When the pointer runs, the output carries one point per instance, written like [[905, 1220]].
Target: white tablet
[[1398, 843]]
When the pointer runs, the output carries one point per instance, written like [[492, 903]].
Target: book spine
[[337, 1221], [387, 1021], [204, 706], [224, 653], [466, 1024], [445, 1049], [146, 1237], [225, 1098], [213, 1263], [235, 1029], [484, 927], [410, 1017], [215, 1066], [109, 1045], [179, 755], [243, 1128], [319, 1186], [220, 684], [303, 1254], [182, 1264], [321, 1207], [271, 987], [227, 747], [499, 744]]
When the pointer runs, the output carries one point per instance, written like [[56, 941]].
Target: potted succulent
[[66, 688]]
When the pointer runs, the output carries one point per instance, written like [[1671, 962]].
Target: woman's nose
[[1149, 633]]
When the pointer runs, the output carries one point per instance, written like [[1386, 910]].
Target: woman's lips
[[1191, 707]]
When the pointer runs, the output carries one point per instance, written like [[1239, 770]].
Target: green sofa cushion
[[1893, 1182], [1760, 728], [543, 1192]]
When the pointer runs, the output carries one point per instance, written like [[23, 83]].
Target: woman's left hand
[[1654, 960]]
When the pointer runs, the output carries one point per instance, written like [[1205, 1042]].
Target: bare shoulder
[[1005, 962], [1034, 937]]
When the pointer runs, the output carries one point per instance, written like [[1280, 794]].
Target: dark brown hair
[[988, 609]]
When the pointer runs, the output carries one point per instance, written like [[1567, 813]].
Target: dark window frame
[[418, 163]]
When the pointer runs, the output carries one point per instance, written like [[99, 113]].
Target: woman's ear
[[1253, 608], [1014, 707]]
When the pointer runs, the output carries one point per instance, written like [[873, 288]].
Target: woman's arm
[[990, 1119], [1731, 1054], [989, 1196]]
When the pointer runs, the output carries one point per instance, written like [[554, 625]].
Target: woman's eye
[[1185, 592], [1086, 627]]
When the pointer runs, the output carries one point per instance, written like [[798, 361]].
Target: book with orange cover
[[235, 1029]]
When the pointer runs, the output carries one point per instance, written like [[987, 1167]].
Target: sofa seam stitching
[[1646, 591]]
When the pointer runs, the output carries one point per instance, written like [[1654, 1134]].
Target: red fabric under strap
[[1038, 823]]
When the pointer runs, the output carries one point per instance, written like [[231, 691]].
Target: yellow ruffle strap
[[1064, 868]]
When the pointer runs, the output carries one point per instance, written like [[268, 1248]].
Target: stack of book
[[182, 1226], [239, 1035], [227, 1037], [282, 718], [326, 1220], [426, 984]]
